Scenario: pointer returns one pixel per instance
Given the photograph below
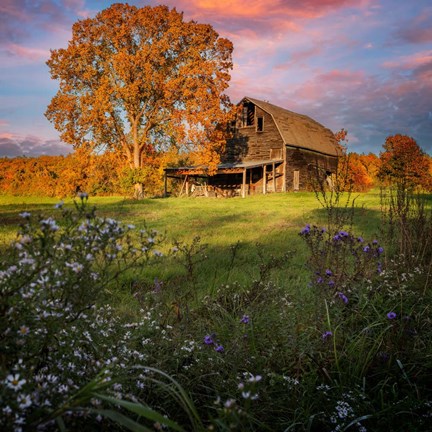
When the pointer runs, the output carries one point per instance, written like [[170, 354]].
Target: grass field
[[266, 223], [258, 328]]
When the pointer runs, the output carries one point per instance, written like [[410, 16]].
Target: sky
[[362, 65]]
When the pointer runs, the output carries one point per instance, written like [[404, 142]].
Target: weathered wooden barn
[[271, 150]]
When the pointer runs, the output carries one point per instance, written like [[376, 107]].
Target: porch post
[[165, 185], [187, 185], [264, 179], [244, 183], [274, 178]]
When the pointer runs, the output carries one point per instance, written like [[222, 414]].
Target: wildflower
[[25, 215], [380, 250], [331, 283], [245, 319], [327, 334], [229, 403], [319, 280], [59, 205], [343, 297], [49, 223], [391, 315], [305, 230], [83, 195], [375, 242], [366, 249], [343, 234], [329, 272], [219, 348], [23, 330], [208, 340], [24, 401], [336, 237], [246, 394], [360, 239], [255, 379], [14, 382]]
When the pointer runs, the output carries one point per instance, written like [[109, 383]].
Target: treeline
[[108, 173], [64, 176]]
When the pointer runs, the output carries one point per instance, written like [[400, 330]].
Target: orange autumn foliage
[[142, 80], [354, 170], [404, 164]]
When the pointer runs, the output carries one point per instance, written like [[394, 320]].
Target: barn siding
[[249, 145], [305, 162]]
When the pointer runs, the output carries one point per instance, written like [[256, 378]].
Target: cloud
[[368, 106], [14, 145], [26, 53], [418, 30], [260, 15]]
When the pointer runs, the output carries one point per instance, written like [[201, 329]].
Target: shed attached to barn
[[272, 149]]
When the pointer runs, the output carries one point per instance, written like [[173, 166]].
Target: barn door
[[296, 180]]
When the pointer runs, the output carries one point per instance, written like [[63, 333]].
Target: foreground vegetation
[[269, 313]]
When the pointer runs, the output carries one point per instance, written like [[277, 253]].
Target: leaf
[[142, 410]]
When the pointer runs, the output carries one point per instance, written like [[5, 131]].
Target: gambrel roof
[[298, 130]]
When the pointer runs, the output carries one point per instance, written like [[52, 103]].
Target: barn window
[[260, 124], [248, 114]]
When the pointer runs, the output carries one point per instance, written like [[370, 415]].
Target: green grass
[[266, 223]]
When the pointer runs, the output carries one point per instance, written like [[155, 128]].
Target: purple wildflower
[[336, 237], [305, 230], [391, 315], [379, 267], [319, 279], [326, 335], [323, 230], [366, 249], [343, 297], [245, 319], [329, 272], [360, 239], [343, 234], [208, 340], [219, 348], [380, 250], [375, 242], [331, 283]]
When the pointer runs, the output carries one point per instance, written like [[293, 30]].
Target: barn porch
[[231, 179]]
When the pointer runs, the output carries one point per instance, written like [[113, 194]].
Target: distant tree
[[139, 79], [404, 163]]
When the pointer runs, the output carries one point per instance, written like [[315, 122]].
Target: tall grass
[[259, 328]]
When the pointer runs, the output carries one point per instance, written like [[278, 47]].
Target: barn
[[271, 149]]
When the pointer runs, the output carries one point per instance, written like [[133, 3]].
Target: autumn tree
[[139, 79], [404, 163]]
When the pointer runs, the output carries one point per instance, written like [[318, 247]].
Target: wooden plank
[[274, 178], [264, 179], [244, 184]]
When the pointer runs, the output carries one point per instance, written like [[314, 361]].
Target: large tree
[[404, 163], [139, 79]]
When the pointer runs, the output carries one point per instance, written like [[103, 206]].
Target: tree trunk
[[138, 191], [138, 187]]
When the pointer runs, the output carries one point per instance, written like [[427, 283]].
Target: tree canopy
[[404, 163], [140, 79]]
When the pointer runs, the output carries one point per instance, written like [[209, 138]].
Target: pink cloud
[[27, 53], [410, 61], [260, 15]]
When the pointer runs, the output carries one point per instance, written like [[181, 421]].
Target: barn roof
[[299, 130]]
